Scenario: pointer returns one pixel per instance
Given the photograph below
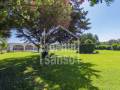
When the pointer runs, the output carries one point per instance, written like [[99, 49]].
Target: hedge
[[108, 47], [116, 46], [87, 48], [103, 47]]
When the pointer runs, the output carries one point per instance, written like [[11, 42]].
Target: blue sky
[[105, 21]]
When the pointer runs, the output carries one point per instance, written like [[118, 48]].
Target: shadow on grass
[[27, 74]]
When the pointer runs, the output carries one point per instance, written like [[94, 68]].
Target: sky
[[105, 21]]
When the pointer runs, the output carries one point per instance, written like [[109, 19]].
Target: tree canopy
[[3, 44], [31, 21], [89, 36], [29, 10]]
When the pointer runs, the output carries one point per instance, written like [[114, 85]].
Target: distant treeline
[[90, 43], [109, 45]]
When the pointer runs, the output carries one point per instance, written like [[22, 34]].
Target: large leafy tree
[[37, 20], [47, 15], [6, 5], [33, 22]]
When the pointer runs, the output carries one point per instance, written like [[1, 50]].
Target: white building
[[21, 47], [32, 47]]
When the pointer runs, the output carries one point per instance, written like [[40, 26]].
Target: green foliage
[[116, 46], [79, 21], [34, 17], [32, 21], [4, 24], [88, 41], [23, 10], [87, 47], [109, 45], [3, 44], [94, 2], [103, 47], [113, 41], [90, 36]]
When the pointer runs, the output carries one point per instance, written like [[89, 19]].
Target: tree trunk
[[38, 49], [44, 54]]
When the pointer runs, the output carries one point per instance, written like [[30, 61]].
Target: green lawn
[[22, 71], [108, 62]]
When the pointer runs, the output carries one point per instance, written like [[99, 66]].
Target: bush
[[88, 41], [116, 46], [87, 47], [96, 52], [103, 47], [108, 47]]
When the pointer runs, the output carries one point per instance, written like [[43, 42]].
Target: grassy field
[[108, 62], [22, 71]]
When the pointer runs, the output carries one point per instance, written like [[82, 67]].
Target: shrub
[[96, 52], [119, 47], [103, 47], [116, 46], [88, 41], [87, 47]]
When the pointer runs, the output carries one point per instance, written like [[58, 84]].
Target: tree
[[94, 2], [112, 41], [36, 20], [97, 39], [37, 24], [4, 24], [79, 22], [46, 21], [7, 5], [3, 44], [89, 36]]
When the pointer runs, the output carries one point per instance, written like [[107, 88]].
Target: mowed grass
[[108, 63], [15, 55], [25, 66]]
